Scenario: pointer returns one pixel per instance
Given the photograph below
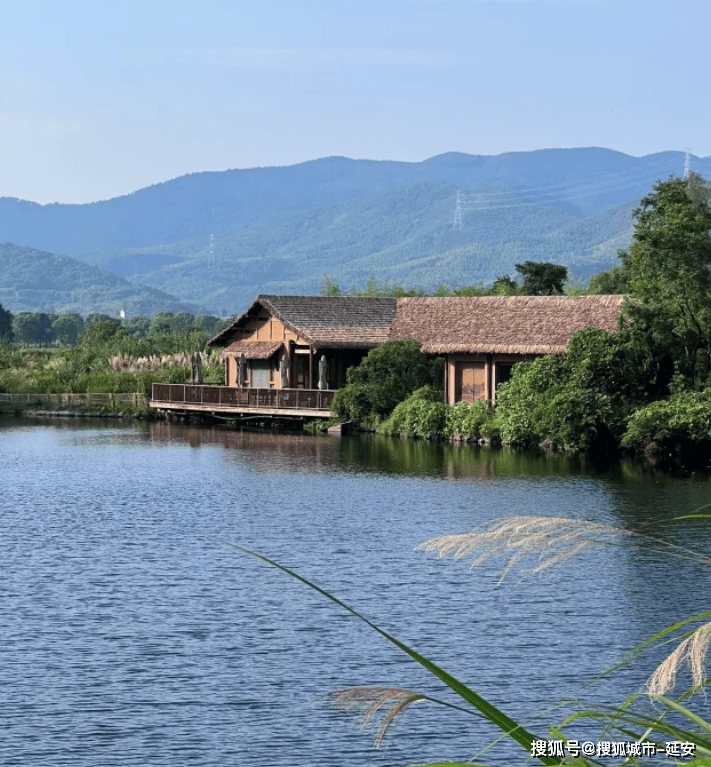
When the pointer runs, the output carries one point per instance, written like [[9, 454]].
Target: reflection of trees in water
[[369, 453]]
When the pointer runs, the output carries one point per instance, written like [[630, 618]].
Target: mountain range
[[212, 241]]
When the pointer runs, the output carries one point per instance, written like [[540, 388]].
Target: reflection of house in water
[[274, 351], [269, 450]]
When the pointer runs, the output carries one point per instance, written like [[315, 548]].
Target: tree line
[[533, 278], [69, 329]]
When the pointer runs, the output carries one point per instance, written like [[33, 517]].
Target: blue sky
[[99, 98]]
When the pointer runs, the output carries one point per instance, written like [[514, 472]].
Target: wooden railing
[[229, 396], [92, 399]]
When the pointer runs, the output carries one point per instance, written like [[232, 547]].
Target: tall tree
[[137, 325], [669, 270], [541, 278], [67, 329], [6, 335], [505, 285], [32, 328]]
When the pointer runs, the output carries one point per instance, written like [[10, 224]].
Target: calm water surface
[[131, 634]]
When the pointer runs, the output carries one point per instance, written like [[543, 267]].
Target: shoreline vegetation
[[107, 367]]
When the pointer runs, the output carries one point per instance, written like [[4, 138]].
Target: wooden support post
[[490, 377]]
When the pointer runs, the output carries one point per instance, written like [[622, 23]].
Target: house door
[[260, 374], [470, 381], [301, 371]]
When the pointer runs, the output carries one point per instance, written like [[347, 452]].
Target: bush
[[467, 422], [422, 414], [523, 404], [576, 401], [385, 377], [683, 421]]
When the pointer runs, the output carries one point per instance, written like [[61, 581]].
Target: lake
[[132, 634]]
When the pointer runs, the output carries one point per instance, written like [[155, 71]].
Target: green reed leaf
[[511, 728]]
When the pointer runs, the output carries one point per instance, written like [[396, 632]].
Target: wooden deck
[[228, 400]]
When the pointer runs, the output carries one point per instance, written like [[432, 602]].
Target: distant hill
[[217, 239], [33, 280]]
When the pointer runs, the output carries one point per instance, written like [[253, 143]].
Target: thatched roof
[[502, 324], [252, 350], [483, 324], [347, 322]]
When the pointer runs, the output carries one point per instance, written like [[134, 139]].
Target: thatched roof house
[[341, 328], [480, 337]]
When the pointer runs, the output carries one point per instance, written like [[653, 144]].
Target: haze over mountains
[[213, 241]]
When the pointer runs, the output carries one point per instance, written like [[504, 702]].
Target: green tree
[[505, 286], [31, 328], [100, 333], [161, 324], [208, 324], [137, 325], [669, 267], [614, 281], [68, 328], [181, 322], [581, 400], [98, 317], [6, 334], [329, 287], [541, 278]]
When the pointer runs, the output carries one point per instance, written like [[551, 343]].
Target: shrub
[[468, 422], [386, 376], [576, 401], [524, 403], [422, 414], [682, 421]]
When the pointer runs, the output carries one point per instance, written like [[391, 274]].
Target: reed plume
[[372, 701], [553, 539], [691, 652]]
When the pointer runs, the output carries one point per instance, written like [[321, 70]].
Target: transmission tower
[[211, 263], [457, 213], [687, 163]]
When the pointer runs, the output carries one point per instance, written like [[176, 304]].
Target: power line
[[590, 187]]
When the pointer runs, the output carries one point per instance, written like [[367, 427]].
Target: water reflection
[[386, 455]]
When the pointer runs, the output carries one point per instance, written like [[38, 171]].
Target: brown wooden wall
[[263, 327]]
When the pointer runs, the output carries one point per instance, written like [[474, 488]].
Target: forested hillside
[[215, 240], [405, 236], [33, 280]]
